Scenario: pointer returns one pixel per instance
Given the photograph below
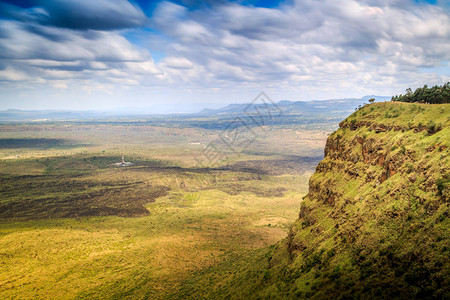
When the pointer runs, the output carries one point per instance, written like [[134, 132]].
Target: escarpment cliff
[[375, 223]]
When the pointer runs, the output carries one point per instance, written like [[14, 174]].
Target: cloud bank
[[180, 52]]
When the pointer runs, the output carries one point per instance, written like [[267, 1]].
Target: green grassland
[[74, 226], [375, 223], [178, 225]]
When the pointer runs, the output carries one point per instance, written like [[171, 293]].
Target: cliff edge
[[375, 223]]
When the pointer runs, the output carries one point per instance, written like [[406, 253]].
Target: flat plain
[[73, 225]]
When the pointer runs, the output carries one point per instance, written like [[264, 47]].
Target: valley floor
[[74, 226]]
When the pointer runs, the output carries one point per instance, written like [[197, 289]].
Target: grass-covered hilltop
[[375, 223]]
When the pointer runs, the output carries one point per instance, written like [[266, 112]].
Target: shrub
[[409, 167], [432, 127], [440, 184]]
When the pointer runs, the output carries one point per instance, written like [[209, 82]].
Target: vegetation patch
[[37, 143]]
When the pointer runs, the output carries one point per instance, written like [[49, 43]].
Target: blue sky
[[109, 54]]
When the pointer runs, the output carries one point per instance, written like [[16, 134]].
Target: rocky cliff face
[[375, 223]]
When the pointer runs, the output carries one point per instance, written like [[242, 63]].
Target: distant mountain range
[[334, 107]]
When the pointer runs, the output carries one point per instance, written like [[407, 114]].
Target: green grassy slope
[[375, 223]]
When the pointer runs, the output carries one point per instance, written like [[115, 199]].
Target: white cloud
[[300, 50], [32, 52], [10, 74], [98, 65], [58, 84], [177, 63], [344, 40], [37, 42], [142, 68]]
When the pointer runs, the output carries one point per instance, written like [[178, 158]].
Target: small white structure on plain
[[123, 163]]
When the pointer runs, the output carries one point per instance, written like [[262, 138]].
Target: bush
[[432, 127], [440, 184]]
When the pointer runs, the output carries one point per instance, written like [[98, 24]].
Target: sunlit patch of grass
[[122, 256]]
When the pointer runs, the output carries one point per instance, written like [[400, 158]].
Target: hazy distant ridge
[[302, 107], [335, 106]]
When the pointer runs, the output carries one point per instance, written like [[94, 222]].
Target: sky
[[176, 55]]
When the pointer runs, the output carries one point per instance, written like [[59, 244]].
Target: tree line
[[434, 95]]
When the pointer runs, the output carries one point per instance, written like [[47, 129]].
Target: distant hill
[[47, 115], [335, 108]]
